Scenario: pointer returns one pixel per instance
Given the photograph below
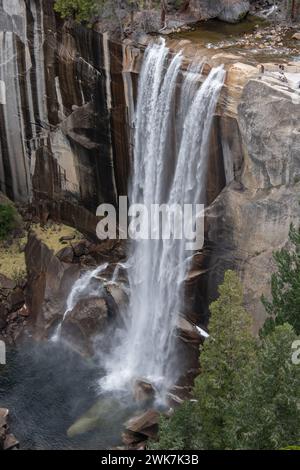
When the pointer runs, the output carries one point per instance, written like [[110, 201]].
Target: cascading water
[[82, 289], [168, 169]]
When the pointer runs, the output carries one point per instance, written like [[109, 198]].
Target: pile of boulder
[[141, 428], [7, 440]]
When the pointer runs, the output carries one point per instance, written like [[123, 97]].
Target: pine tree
[[266, 414], [224, 356], [285, 287]]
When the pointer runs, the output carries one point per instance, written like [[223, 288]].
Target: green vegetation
[[267, 414], [247, 395], [80, 10], [85, 10], [8, 220], [12, 258], [285, 287]]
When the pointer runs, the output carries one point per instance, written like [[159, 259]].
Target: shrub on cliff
[[8, 220], [284, 306], [80, 10]]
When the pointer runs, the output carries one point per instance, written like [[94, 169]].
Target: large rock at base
[[49, 283], [7, 440], [143, 391], [88, 319], [145, 424], [231, 11]]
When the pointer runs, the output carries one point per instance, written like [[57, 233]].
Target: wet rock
[[81, 249], [88, 319], [11, 443], [7, 440], [4, 413], [145, 424], [131, 439], [16, 299], [49, 284], [143, 391], [187, 331], [177, 395]]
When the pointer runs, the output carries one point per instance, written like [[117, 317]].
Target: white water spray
[[82, 289], [163, 172]]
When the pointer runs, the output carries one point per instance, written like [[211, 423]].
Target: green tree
[[180, 431], [8, 220], [266, 414], [229, 349], [80, 10], [224, 356], [285, 287]]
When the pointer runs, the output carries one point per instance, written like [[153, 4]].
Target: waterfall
[[164, 172]]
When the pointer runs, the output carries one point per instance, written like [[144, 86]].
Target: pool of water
[[215, 36], [47, 387], [214, 31]]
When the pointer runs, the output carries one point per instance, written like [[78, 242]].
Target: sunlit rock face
[[231, 11], [251, 217], [63, 115]]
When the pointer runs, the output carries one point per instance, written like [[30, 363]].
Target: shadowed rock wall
[[63, 115]]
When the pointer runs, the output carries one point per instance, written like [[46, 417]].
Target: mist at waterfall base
[[47, 387]]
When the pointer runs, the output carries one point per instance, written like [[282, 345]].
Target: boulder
[[296, 36], [234, 10], [131, 439], [187, 331], [7, 440], [4, 413], [11, 443], [143, 391], [145, 424], [231, 11], [88, 319]]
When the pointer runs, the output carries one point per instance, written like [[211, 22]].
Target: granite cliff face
[[63, 118], [251, 217]]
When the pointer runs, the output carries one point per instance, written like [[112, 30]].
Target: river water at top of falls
[[170, 166]]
